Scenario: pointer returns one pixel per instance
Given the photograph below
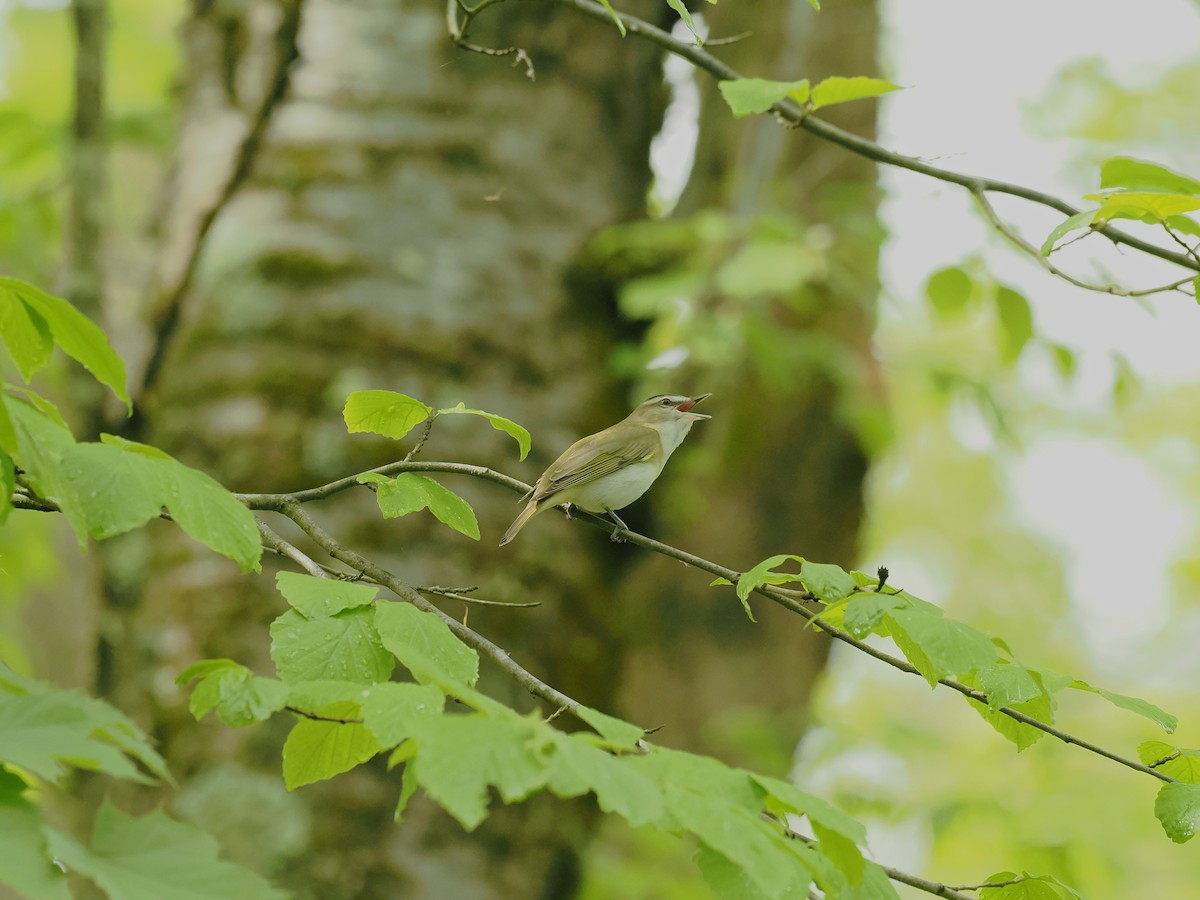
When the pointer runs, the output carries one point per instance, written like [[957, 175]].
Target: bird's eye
[[665, 401]]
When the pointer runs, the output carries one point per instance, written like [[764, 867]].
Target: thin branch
[[416, 448], [458, 595], [915, 881], [794, 114], [294, 511], [783, 597], [282, 547], [1024, 246]]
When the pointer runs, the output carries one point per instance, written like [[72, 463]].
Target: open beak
[[686, 407]]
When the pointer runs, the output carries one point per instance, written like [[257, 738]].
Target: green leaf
[[747, 96], [1028, 887], [1077, 222], [239, 696], [618, 733], [617, 19], [815, 4], [1039, 706], [25, 865], [8, 478], [1182, 765], [1144, 207], [315, 597], [577, 766], [24, 332], [154, 857], [865, 611], [342, 647], [949, 291], [1178, 809], [317, 750], [409, 492], [1131, 174], [384, 412], [77, 335], [686, 16], [1183, 225], [426, 646], [938, 646], [1016, 319], [41, 404], [839, 89], [393, 712], [1007, 684], [319, 696], [120, 485], [44, 730], [1159, 717], [458, 757], [730, 881], [1064, 360], [762, 574], [827, 582], [508, 426]]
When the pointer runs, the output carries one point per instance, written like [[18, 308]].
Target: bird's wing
[[586, 466]]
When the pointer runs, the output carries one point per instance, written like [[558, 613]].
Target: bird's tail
[[530, 508]]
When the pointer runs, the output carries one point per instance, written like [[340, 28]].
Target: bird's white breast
[[619, 489]]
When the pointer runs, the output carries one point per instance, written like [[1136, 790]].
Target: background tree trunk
[[376, 209]]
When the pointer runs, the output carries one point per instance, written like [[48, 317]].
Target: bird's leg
[[621, 526], [566, 508]]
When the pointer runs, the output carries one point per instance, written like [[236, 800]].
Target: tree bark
[[401, 218]]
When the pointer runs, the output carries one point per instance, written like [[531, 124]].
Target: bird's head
[[664, 409]]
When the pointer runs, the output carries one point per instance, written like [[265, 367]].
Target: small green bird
[[608, 470]]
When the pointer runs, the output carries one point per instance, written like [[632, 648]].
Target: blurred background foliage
[[974, 390]]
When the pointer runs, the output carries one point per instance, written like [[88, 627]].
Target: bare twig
[[317, 717]]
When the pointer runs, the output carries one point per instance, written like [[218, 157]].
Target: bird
[[608, 470]]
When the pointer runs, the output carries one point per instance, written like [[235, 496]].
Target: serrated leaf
[[616, 18], [747, 96], [686, 16], [387, 413], [949, 291], [730, 881], [458, 757], [619, 733], [341, 647], [77, 335], [1016, 320], [154, 857], [25, 865], [409, 492], [1177, 807], [45, 731], [1077, 222], [1179, 763], [239, 696], [1027, 887], [829, 583], [316, 597], [577, 766], [759, 574], [508, 426], [393, 712], [319, 696], [8, 478], [24, 332], [120, 485], [938, 646], [425, 646], [1040, 707], [317, 750], [1159, 717], [839, 89], [1143, 206], [866, 609], [1007, 684], [1141, 175]]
